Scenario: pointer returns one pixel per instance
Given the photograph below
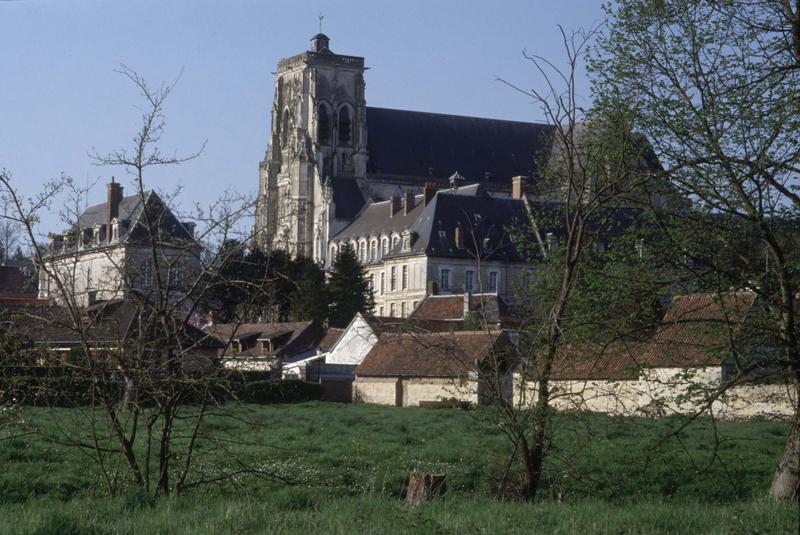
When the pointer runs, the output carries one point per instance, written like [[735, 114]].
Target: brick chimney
[[114, 198], [430, 191], [394, 204], [408, 203], [518, 186]]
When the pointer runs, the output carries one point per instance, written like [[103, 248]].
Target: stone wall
[[378, 390], [410, 391], [665, 391]]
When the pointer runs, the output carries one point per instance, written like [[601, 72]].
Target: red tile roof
[[332, 336], [432, 354], [596, 362], [698, 329]]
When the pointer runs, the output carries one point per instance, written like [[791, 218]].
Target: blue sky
[[60, 96]]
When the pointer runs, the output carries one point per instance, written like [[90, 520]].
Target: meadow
[[341, 468]]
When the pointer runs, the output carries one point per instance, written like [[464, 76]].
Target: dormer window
[[99, 234], [115, 229], [406, 241]]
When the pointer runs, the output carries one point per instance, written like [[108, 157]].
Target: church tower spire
[[318, 134]]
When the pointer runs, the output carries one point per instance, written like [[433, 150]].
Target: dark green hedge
[[64, 387]]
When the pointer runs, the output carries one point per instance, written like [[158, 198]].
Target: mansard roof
[[131, 213], [435, 145], [483, 221]]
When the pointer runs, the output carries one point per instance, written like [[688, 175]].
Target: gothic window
[[323, 125], [345, 126], [285, 128]]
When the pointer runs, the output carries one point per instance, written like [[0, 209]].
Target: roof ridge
[[460, 116]]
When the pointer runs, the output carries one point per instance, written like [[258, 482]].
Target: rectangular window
[[392, 310], [393, 278], [383, 283], [444, 279], [469, 280], [414, 306], [405, 277], [380, 311], [147, 276], [492, 281], [403, 309], [371, 282]]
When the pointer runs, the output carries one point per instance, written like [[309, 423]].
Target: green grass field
[[347, 465]]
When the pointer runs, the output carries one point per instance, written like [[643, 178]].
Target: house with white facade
[[108, 253], [452, 241]]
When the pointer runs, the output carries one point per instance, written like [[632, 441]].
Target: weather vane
[[320, 23]]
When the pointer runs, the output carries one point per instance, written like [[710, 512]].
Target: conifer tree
[[309, 300], [348, 288]]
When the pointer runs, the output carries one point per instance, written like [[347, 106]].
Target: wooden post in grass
[[424, 487]]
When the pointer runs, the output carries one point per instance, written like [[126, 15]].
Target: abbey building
[[424, 198]]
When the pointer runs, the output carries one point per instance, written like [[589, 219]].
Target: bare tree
[[149, 373]]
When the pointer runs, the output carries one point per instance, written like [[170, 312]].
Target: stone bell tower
[[318, 133]]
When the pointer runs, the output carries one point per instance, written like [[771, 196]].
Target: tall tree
[[714, 85], [349, 288], [309, 300]]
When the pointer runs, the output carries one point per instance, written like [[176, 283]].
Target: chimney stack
[[394, 204], [114, 198], [518, 186], [408, 205], [430, 191]]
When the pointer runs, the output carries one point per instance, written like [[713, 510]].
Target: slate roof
[[409, 143], [108, 322], [347, 197], [432, 354], [698, 329], [484, 222], [131, 210], [260, 331]]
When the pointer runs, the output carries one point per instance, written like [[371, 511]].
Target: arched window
[[323, 125], [285, 128], [333, 253], [345, 126]]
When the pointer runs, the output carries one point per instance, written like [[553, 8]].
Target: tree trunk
[[424, 487], [786, 481]]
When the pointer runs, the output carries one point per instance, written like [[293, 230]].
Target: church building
[[329, 155]]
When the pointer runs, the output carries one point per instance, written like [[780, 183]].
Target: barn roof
[[699, 329], [432, 354]]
